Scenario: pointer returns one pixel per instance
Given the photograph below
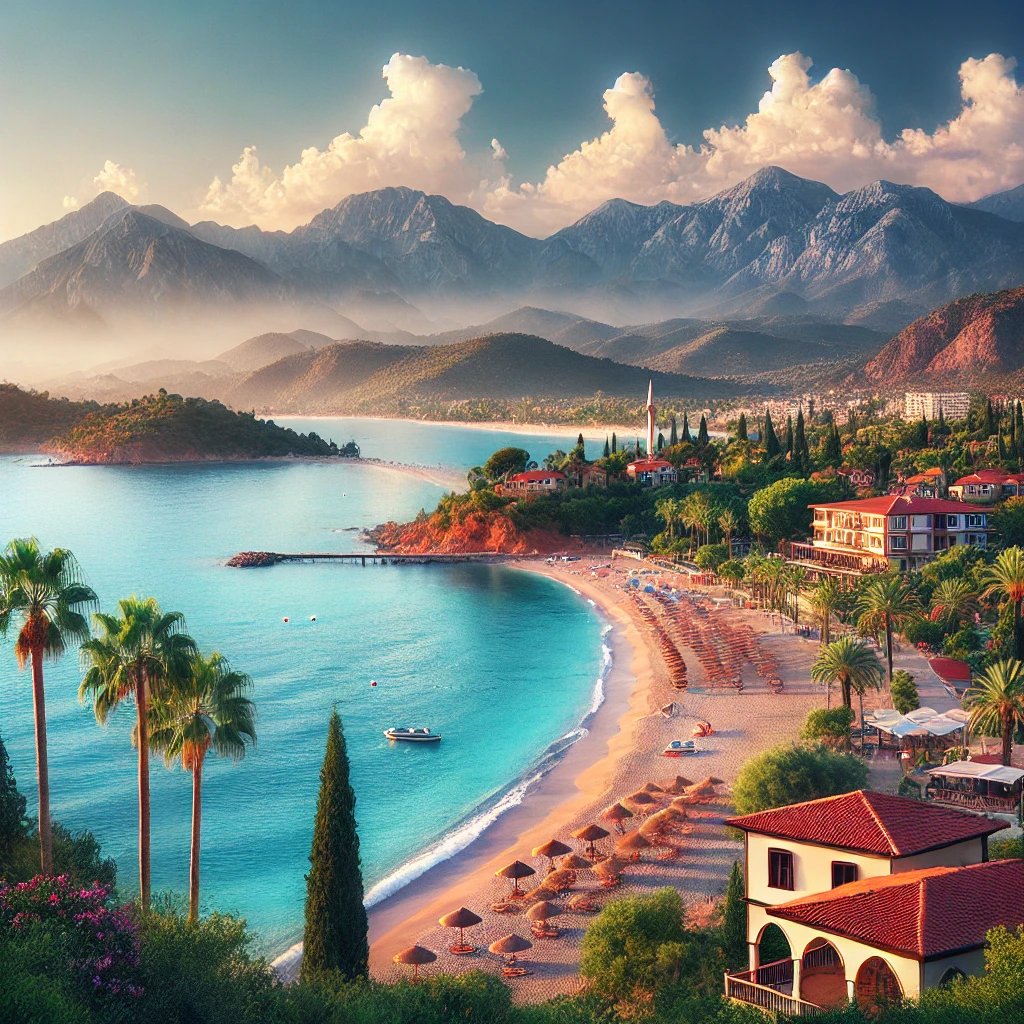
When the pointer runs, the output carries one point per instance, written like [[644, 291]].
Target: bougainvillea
[[96, 940]]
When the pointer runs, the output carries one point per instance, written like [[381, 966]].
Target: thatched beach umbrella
[[544, 891], [574, 862], [542, 911], [516, 870], [551, 849], [413, 957], [633, 844], [617, 812], [509, 946], [461, 919], [563, 878], [609, 870], [679, 784], [641, 801], [653, 787], [590, 834], [657, 822]]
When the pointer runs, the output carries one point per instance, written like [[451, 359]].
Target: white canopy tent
[[919, 723]]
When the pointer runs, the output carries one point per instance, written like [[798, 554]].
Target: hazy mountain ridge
[[1008, 204]]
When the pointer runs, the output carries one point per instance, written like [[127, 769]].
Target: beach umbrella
[[516, 870], [609, 868], [542, 892], [633, 844], [509, 946], [680, 784], [413, 957], [551, 849], [653, 787], [590, 834], [563, 878], [656, 822], [542, 911], [461, 919], [642, 802], [583, 902], [574, 862], [617, 813]]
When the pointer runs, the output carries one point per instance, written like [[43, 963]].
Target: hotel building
[[954, 404]]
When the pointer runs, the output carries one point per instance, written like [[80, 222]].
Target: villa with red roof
[[902, 531], [535, 481], [987, 486], [878, 898]]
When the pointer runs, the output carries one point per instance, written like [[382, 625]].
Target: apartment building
[[954, 404]]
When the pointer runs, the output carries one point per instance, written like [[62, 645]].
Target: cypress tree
[[772, 448], [990, 424], [789, 435], [336, 925], [851, 421], [673, 434], [741, 428], [687, 436], [661, 441], [579, 440], [922, 432], [803, 453], [702, 431], [734, 921], [614, 442], [1001, 448], [607, 447]]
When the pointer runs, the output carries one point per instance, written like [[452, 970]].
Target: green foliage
[[908, 788], [710, 557], [734, 921], [640, 944], [789, 774], [14, 826], [506, 461], [780, 510], [772, 447], [924, 631], [336, 925], [828, 725], [1006, 849], [904, 692]]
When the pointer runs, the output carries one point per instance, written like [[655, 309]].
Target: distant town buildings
[[588, 475], [954, 404]]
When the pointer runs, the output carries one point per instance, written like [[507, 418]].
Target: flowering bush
[[94, 940]]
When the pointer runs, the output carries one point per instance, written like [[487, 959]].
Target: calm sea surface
[[503, 663]]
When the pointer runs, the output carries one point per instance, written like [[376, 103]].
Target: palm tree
[[1005, 579], [953, 601], [825, 599], [668, 509], [205, 708], [46, 594], [728, 523], [796, 577], [887, 604], [134, 659], [853, 665], [996, 702]]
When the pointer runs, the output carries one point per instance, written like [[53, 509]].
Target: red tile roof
[[900, 504], [892, 826], [984, 476], [922, 913], [648, 465], [533, 475]]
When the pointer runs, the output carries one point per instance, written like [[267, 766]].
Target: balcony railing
[[766, 988], [808, 554], [973, 801]]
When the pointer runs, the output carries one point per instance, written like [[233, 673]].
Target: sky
[[532, 113]]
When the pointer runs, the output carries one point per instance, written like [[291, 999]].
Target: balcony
[[769, 988], [834, 562]]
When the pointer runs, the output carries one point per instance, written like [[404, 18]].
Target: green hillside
[[28, 418]]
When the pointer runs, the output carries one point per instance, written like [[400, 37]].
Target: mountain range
[[775, 243]]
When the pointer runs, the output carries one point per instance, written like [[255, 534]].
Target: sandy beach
[[621, 753]]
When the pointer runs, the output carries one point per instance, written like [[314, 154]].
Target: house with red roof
[[987, 486], [535, 481], [903, 531], [878, 898], [652, 472], [929, 484]]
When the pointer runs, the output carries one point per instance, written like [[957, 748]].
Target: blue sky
[[175, 91]]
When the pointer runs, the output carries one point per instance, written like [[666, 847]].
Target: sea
[[505, 664]]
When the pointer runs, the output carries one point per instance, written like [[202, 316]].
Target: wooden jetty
[[259, 559]]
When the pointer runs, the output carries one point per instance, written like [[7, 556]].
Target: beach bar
[[977, 786]]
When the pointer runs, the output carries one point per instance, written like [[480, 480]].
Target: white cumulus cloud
[[113, 177], [410, 138]]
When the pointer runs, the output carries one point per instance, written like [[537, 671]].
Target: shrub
[[924, 631], [791, 774], [908, 788], [904, 692], [828, 725], [711, 556]]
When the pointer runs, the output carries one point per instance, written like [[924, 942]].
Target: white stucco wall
[[970, 852]]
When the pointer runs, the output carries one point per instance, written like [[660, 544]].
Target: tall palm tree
[[887, 604], [996, 702], [203, 709], [134, 658], [853, 665], [796, 577], [952, 601], [1005, 579], [46, 594], [728, 523], [825, 600]]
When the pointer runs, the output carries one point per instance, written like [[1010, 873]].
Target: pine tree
[[607, 447], [741, 428], [734, 921], [579, 440], [803, 453], [702, 431], [789, 435], [615, 446], [13, 823], [661, 441], [336, 925], [687, 436], [673, 435], [772, 448]]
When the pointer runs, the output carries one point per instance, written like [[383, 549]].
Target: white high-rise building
[[954, 404]]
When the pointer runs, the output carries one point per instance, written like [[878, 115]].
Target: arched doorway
[[877, 985], [774, 959], [823, 975]]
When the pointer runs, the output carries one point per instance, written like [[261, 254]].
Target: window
[[843, 873], [897, 522], [952, 522], [780, 869], [898, 543], [975, 520]]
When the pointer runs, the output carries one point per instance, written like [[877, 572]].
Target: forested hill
[[158, 428]]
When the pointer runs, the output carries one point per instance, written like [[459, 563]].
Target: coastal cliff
[[471, 532]]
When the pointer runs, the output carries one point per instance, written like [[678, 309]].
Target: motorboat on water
[[412, 735], [677, 748]]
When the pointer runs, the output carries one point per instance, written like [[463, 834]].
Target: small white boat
[[412, 735], [677, 748]]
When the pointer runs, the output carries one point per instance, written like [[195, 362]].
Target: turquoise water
[[503, 663]]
